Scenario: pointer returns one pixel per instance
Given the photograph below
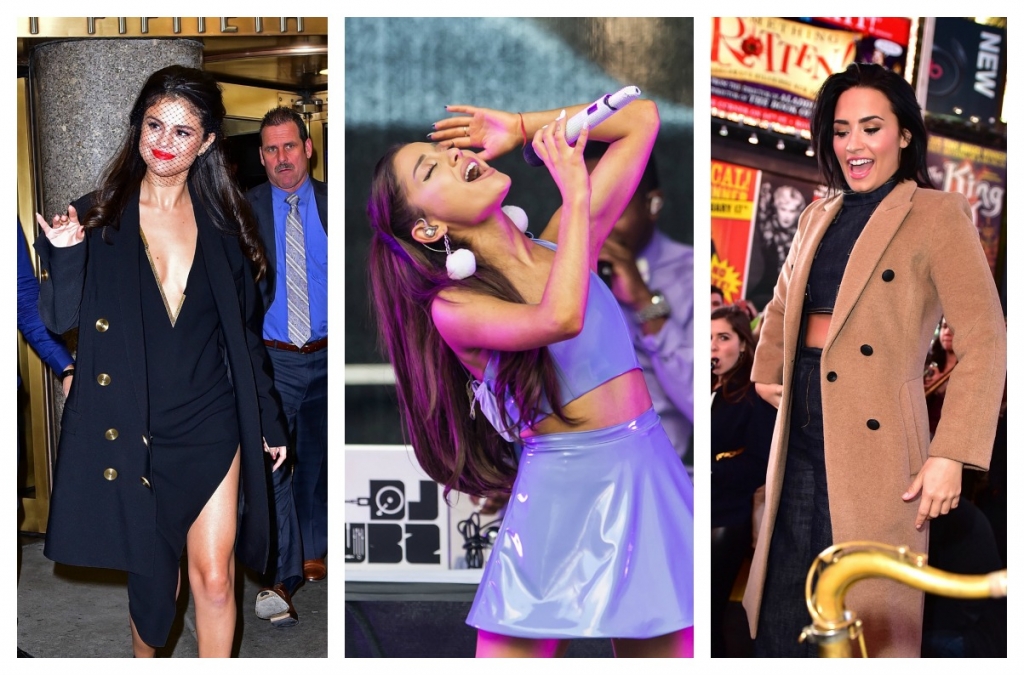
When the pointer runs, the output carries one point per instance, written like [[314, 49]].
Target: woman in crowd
[[597, 538], [871, 270], [161, 433], [741, 435]]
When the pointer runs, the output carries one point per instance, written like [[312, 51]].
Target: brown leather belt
[[308, 348]]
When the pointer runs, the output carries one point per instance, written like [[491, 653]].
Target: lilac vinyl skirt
[[597, 539]]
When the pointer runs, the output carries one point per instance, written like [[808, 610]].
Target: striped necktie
[[295, 258]]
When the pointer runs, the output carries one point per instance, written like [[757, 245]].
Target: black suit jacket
[[263, 207], [99, 520]]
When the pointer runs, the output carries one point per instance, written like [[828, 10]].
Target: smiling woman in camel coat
[[918, 258]]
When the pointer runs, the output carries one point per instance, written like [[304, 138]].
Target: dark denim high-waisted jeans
[[803, 527]]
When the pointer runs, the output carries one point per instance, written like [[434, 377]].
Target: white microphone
[[595, 113]]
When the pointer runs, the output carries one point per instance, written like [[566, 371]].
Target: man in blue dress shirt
[[292, 212], [651, 276], [48, 346]]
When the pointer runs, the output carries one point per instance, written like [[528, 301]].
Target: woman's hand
[[938, 484], [769, 392], [565, 162], [66, 230], [495, 131], [278, 454]]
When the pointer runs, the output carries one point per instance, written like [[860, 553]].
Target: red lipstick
[[160, 154]]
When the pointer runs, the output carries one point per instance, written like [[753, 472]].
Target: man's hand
[[628, 285], [66, 382]]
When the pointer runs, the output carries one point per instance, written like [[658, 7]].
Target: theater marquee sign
[[168, 26]]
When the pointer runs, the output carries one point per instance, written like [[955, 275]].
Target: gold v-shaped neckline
[[172, 316]]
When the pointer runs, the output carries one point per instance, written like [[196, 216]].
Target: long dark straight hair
[[461, 452], [902, 100], [208, 176], [736, 383]]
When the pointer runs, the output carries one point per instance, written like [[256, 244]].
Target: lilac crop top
[[601, 352]]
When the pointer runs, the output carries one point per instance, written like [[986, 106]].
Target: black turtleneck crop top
[[836, 245]]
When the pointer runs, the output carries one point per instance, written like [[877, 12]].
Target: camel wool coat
[[918, 258]]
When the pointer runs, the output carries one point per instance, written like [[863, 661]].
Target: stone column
[[82, 93]]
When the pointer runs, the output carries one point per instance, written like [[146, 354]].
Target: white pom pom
[[461, 264], [517, 216]]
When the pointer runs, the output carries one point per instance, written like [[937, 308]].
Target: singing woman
[[597, 537]]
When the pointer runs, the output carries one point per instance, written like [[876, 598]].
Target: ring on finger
[[466, 130]]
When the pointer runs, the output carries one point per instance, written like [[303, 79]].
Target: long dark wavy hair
[[460, 452], [209, 176], [736, 383], [902, 99]]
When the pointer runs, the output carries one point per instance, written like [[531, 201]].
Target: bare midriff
[[816, 330], [618, 400]]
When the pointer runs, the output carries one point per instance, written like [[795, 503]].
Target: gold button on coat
[[111, 434], [44, 275], [102, 325], [145, 441], [110, 474], [144, 481], [103, 379]]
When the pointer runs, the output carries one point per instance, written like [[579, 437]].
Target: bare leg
[[493, 645], [674, 645], [140, 648], [211, 567]]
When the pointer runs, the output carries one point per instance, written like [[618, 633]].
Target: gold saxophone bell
[[834, 628]]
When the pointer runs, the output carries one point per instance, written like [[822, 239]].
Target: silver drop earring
[[460, 264]]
